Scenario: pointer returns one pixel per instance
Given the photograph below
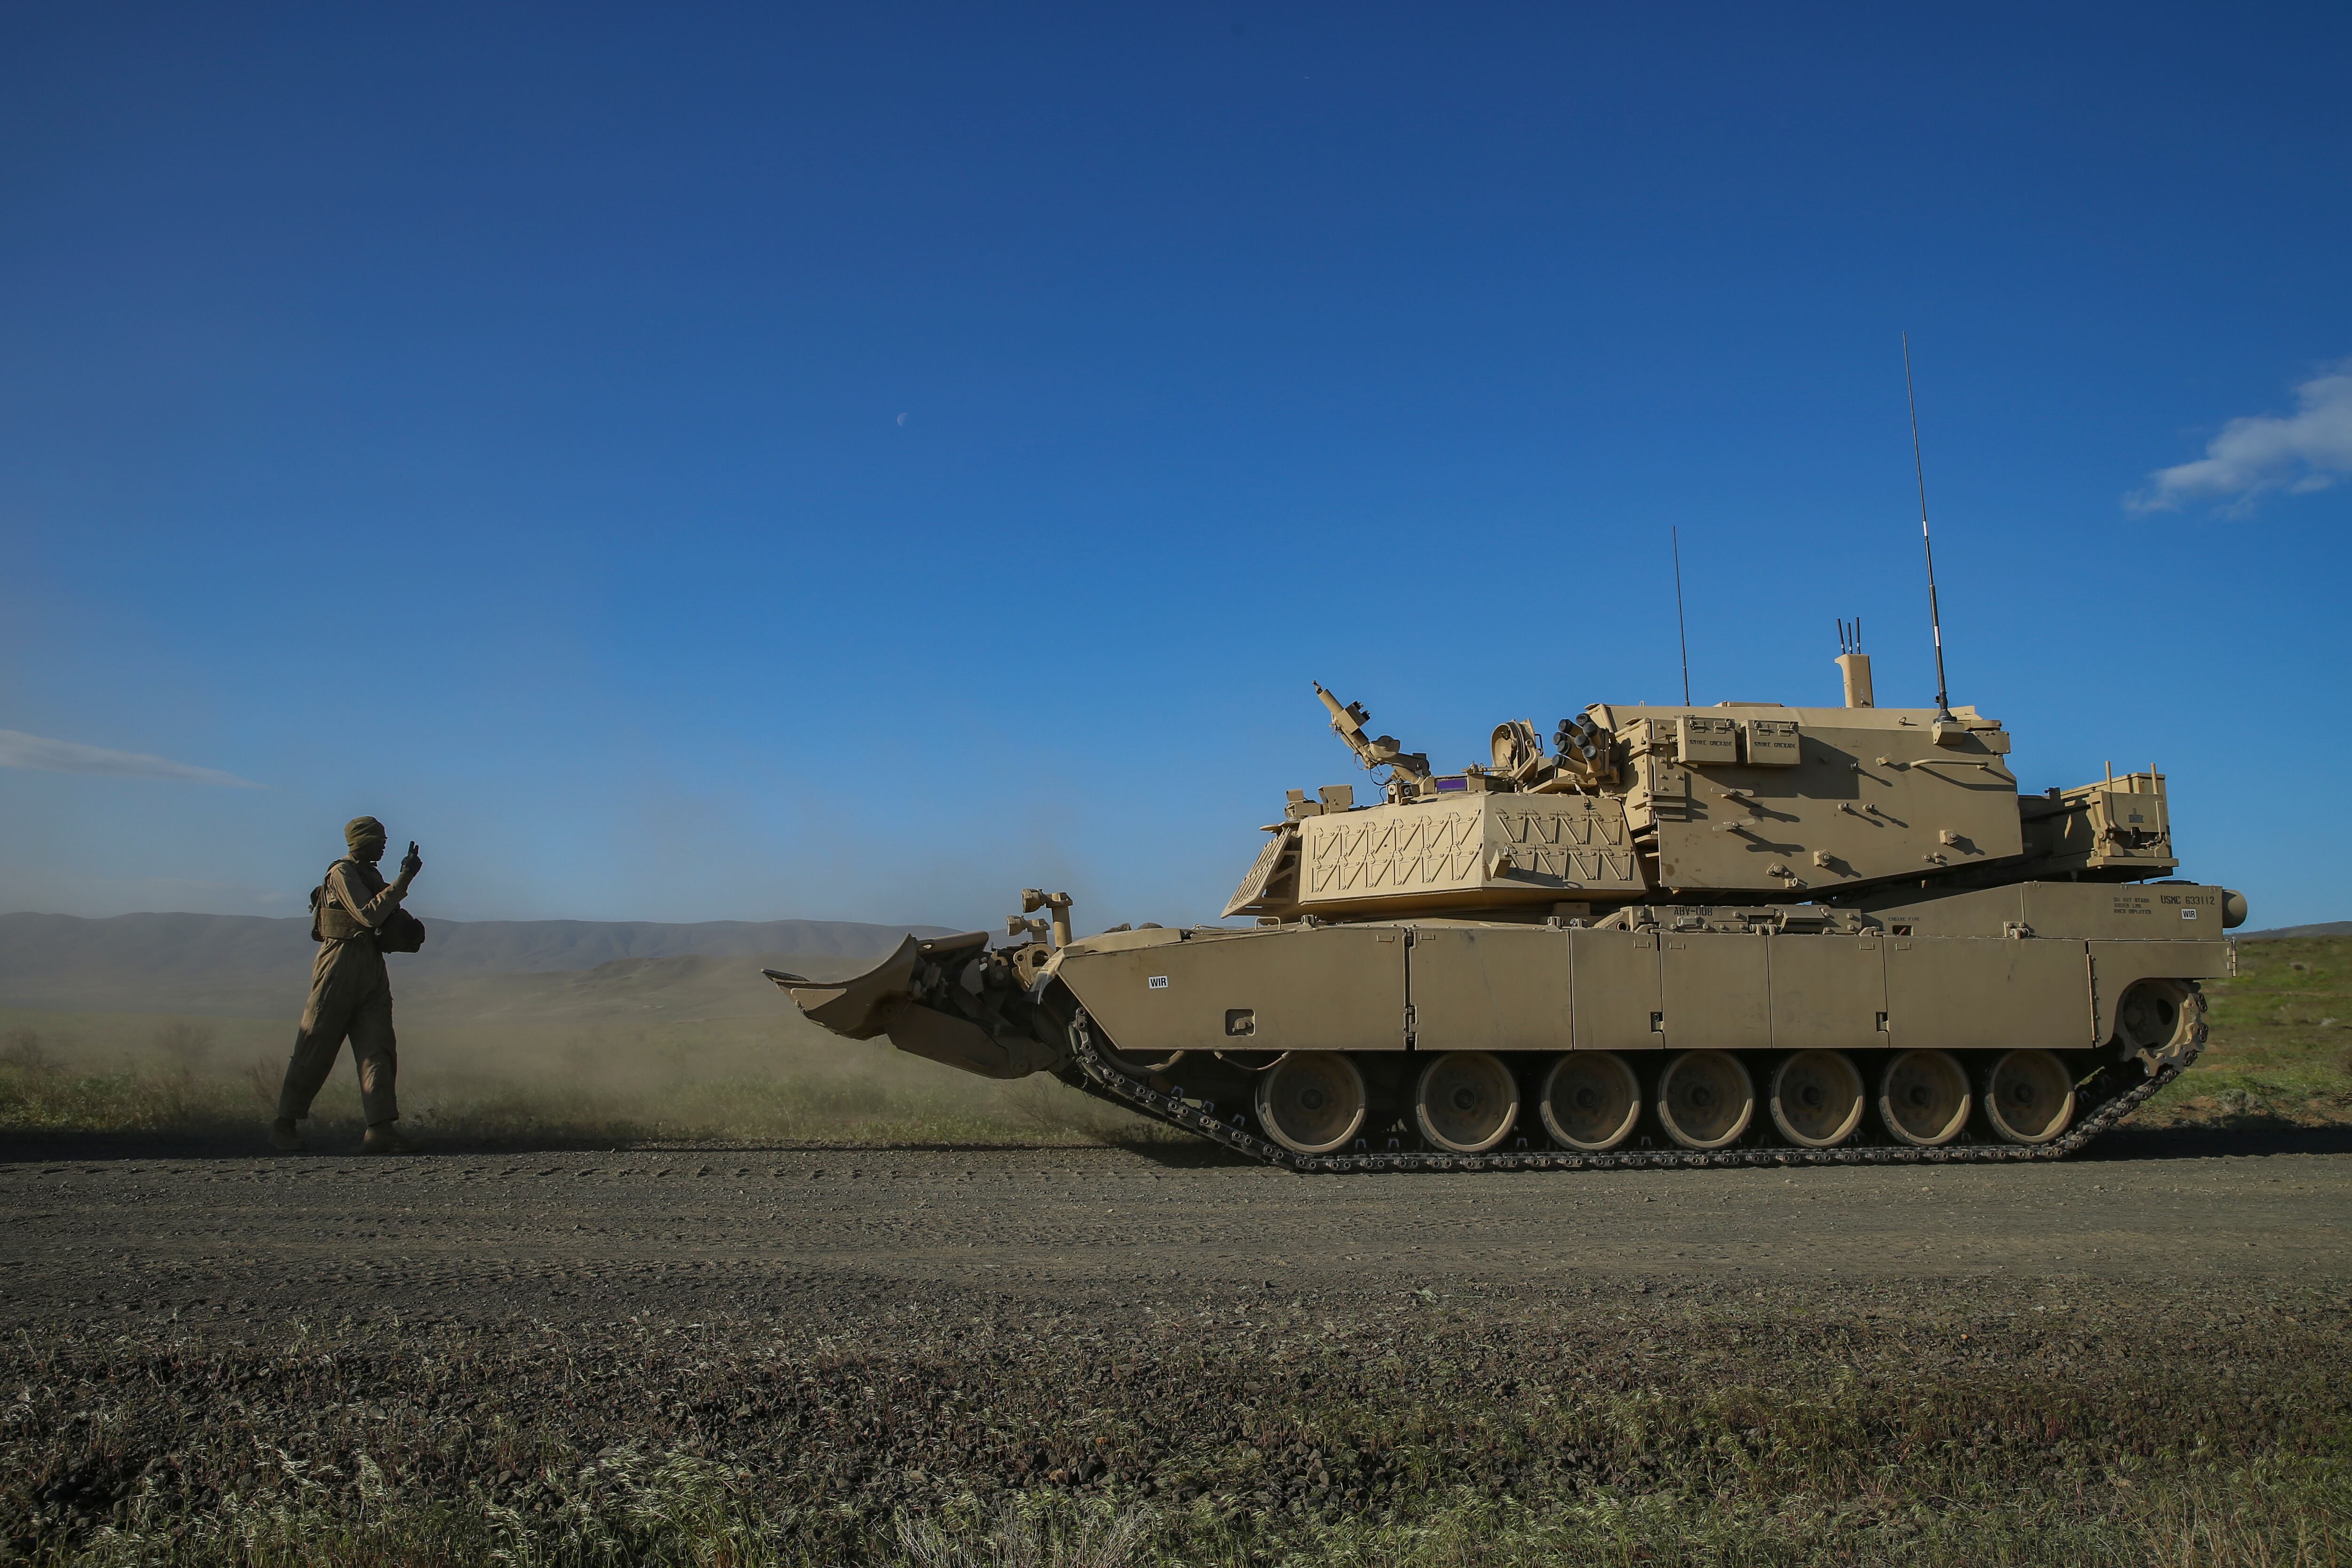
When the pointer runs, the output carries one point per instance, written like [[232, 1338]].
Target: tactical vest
[[330, 921]]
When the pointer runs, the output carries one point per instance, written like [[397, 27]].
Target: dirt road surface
[[746, 1232]]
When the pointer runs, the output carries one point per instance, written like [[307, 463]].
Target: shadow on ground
[[2129, 1143], [2210, 1142]]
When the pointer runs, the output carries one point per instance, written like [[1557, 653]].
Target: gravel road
[[571, 1236]]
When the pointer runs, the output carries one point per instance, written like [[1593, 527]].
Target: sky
[[721, 461]]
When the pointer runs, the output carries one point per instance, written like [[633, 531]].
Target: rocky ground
[[749, 1354]]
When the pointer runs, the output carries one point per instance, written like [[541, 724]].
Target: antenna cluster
[[1850, 633]]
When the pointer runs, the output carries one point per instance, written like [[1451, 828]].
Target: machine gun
[[1349, 721]]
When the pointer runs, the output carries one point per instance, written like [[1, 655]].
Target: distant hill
[[246, 965], [2332, 928]]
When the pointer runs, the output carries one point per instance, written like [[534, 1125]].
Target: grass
[[1439, 1439], [625, 1510]]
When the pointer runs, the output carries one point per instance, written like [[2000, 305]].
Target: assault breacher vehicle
[[1738, 934]]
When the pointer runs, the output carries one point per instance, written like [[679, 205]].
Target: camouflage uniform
[[351, 994]]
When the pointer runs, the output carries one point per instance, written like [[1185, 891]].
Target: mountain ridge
[[234, 963]]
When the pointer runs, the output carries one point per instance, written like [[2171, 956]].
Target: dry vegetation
[[588, 1085], [1704, 1431]]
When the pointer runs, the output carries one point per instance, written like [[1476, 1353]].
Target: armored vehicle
[[1746, 934]]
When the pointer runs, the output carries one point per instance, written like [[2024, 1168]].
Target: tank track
[[1100, 1078]]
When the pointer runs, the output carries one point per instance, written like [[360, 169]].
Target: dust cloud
[[683, 1049]]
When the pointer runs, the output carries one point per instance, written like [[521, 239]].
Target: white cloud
[[18, 750], [2308, 451]]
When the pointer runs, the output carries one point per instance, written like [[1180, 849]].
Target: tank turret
[[1743, 802], [1738, 933]]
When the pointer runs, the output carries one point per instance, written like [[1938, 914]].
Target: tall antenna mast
[[1680, 628], [1935, 615]]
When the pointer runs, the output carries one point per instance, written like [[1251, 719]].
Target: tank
[[1739, 935]]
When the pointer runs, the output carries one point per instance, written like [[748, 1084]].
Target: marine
[[355, 915]]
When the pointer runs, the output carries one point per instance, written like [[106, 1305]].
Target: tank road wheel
[[1311, 1103], [2157, 1020], [1923, 1099], [1591, 1100], [1706, 1100], [1817, 1098], [2029, 1098], [1465, 1102]]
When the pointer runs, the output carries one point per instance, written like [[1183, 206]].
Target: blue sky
[[716, 462]]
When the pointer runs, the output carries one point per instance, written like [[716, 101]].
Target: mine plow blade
[[859, 1008], [933, 998], [923, 1031]]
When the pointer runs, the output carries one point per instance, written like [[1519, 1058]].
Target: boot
[[383, 1138], [286, 1138]]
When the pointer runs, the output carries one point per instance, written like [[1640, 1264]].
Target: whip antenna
[[1935, 616], [1681, 630]]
